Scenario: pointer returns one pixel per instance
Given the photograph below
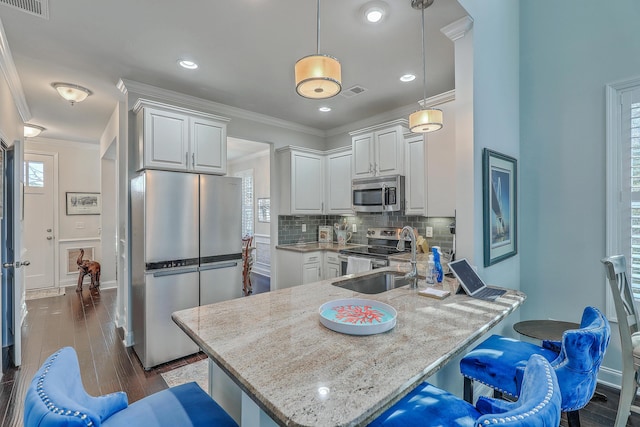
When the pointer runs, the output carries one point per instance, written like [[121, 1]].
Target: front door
[[39, 210]]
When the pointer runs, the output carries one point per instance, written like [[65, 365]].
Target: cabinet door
[[166, 140], [416, 180], [208, 146], [311, 273], [339, 183], [331, 271], [306, 184], [389, 152], [362, 161]]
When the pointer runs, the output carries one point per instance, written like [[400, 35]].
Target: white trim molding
[[126, 86], [10, 72], [458, 29], [613, 178]]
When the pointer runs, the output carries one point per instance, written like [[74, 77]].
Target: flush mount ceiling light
[[31, 131], [374, 11], [318, 76], [189, 65], [425, 119], [71, 92], [407, 78]]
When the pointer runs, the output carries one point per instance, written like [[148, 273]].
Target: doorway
[[39, 207], [252, 161]]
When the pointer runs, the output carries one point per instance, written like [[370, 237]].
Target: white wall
[[567, 58], [79, 171]]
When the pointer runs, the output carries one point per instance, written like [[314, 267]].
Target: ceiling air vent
[[34, 7], [352, 91]]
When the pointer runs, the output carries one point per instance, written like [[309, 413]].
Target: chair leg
[[468, 390], [573, 418], [627, 393]]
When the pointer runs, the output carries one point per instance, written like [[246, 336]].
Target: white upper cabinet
[[173, 138], [379, 150], [430, 161], [338, 197], [301, 181]]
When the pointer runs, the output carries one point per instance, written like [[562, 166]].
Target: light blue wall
[[569, 51]]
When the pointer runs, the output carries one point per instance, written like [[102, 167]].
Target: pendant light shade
[[426, 119], [318, 76]]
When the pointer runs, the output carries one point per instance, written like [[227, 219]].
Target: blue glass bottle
[[436, 260]]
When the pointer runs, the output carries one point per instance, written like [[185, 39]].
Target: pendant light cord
[[318, 28], [424, 64]]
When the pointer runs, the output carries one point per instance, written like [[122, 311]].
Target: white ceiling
[[246, 50]]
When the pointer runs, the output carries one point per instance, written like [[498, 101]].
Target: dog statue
[[92, 268]]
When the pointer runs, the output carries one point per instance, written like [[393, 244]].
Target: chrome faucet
[[408, 231]]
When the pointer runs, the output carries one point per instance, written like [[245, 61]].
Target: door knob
[[49, 237], [25, 263], [7, 265], [16, 264], [48, 230]]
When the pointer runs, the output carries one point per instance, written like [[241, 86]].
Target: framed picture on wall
[[264, 210], [84, 203], [500, 194]]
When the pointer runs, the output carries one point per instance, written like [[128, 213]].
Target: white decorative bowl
[[357, 316]]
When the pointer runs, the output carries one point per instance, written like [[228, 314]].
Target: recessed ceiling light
[[189, 65], [408, 78], [324, 109], [374, 11], [374, 15]]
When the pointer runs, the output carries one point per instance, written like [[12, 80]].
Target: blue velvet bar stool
[[56, 398], [538, 405], [498, 362]]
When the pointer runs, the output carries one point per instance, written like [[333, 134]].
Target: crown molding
[[252, 156], [126, 86], [49, 142], [457, 29], [398, 112], [8, 68]]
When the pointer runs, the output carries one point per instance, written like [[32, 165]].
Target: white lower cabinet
[[331, 265], [298, 268]]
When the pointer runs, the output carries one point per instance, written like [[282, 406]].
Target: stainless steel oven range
[[381, 244]]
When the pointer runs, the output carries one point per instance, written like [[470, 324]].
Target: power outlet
[[429, 232], [304, 228], [354, 227]]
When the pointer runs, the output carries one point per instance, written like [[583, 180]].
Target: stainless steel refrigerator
[[186, 250]]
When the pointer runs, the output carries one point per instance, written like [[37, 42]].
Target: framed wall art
[[500, 196], [84, 203]]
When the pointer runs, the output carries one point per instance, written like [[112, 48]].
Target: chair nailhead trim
[[49, 404], [533, 411]]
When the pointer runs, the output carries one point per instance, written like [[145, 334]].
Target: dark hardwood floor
[[86, 322]]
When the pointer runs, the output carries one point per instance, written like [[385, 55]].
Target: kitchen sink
[[375, 283]]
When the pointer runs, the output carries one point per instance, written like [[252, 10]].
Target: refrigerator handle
[[193, 160], [219, 265], [162, 273]]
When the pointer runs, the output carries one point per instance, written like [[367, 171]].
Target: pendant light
[[318, 76], [425, 119]]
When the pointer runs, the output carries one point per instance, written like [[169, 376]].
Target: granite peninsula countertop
[[316, 246], [302, 374]]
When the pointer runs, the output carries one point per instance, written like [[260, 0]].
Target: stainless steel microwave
[[378, 194]]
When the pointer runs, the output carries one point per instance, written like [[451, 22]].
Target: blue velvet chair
[[538, 405], [57, 398], [498, 362]]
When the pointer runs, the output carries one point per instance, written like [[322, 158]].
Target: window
[[623, 179], [247, 201], [34, 173]]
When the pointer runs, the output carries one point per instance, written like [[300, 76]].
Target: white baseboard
[[128, 337]]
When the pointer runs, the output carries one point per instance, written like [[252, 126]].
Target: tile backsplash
[[290, 227]]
